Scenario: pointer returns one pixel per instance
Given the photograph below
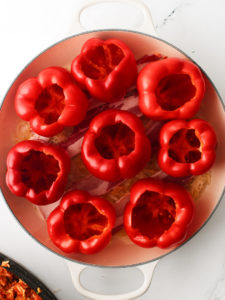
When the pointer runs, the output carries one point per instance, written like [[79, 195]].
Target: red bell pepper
[[51, 101], [105, 68], [186, 148], [81, 223], [172, 88], [37, 171], [115, 147], [158, 213]]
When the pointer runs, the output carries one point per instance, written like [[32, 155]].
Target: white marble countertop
[[195, 271]]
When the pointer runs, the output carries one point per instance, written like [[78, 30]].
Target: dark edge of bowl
[[220, 98]]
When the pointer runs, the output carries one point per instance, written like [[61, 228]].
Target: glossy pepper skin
[[187, 147], [37, 171], [51, 101], [162, 218], [115, 147], [172, 88], [106, 68], [81, 223]]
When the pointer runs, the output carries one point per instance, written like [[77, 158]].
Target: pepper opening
[[97, 63], [50, 103], [39, 170], [115, 141], [153, 214], [83, 221], [174, 90], [184, 146]]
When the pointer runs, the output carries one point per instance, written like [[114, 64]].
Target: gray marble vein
[[217, 290]]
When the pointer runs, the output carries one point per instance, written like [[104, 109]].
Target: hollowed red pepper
[[158, 213], [115, 146], [105, 68], [81, 223], [51, 101], [172, 88], [186, 148], [37, 171]]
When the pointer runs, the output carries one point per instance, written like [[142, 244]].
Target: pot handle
[[146, 26], [76, 269]]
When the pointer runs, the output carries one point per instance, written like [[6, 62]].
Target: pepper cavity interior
[[83, 221], [174, 90], [39, 170], [115, 140], [153, 214], [50, 103], [184, 146], [100, 61]]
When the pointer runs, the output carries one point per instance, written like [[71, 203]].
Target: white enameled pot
[[118, 253]]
